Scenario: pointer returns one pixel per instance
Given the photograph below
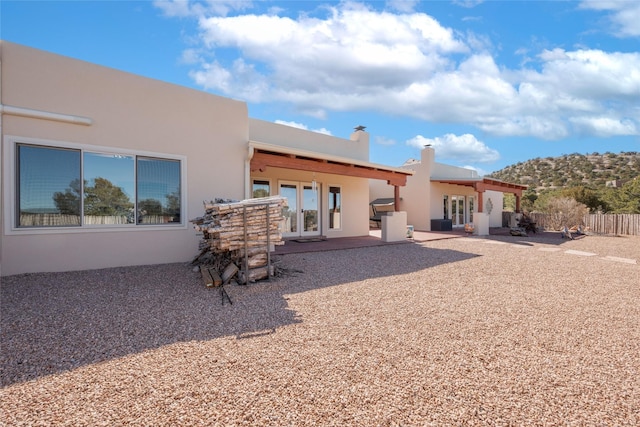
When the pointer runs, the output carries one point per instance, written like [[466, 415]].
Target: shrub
[[563, 211]]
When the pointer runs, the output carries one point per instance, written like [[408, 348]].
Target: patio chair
[[376, 215]]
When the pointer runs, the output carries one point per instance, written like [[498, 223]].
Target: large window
[[62, 187]]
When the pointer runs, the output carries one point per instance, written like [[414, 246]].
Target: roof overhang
[[484, 184], [263, 155]]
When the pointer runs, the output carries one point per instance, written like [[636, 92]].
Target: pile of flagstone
[[237, 238]]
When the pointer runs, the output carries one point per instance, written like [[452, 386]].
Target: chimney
[[361, 138], [428, 156], [357, 132]]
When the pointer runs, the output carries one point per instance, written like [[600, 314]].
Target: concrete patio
[[373, 239]]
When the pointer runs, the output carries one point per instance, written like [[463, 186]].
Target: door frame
[[301, 186], [469, 203]]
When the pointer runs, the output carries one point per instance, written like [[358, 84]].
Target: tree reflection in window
[[50, 190], [108, 188], [158, 190], [48, 185]]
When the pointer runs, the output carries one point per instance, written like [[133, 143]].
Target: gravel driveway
[[473, 331]]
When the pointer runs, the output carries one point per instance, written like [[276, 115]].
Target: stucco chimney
[[361, 137], [428, 156], [358, 131]]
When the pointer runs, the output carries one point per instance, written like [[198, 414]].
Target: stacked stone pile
[[240, 232]]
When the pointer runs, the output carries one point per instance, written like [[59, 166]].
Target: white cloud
[[242, 80], [354, 58], [624, 15], [468, 3], [605, 126], [186, 8], [354, 52], [457, 147], [190, 57], [402, 5], [576, 84]]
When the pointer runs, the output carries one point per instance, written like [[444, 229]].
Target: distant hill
[[594, 171]]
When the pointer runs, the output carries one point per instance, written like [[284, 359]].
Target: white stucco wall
[[417, 194], [131, 113], [497, 200], [440, 170], [357, 147]]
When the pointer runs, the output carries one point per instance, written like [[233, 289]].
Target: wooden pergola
[[263, 156], [481, 185]]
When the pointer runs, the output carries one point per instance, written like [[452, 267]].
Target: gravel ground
[[466, 331]]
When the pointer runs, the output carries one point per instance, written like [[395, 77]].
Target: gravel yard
[[473, 331]]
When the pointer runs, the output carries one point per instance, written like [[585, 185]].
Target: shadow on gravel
[[56, 322], [541, 237]]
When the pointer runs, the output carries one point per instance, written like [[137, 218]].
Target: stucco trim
[[45, 115]]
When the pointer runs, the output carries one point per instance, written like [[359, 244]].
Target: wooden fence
[[611, 224], [617, 224]]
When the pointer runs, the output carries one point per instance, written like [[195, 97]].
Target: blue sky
[[486, 83]]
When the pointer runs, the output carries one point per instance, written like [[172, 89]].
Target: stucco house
[[102, 168], [439, 197]]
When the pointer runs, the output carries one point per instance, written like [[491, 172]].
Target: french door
[[457, 210], [302, 215], [462, 208]]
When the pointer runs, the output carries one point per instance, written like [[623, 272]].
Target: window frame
[[329, 187], [10, 183], [267, 180]]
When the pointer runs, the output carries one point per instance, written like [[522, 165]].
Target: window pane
[[158, 191], [108, 189], [335, 206], [445, 201], [261, 188], [290, 212], [48, 187]]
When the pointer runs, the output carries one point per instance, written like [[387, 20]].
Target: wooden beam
[[396, 198], [260, 161], [483, 186]]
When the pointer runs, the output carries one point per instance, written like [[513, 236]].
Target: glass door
[[457, 211], [310, 210], [290, 212], [302, 215]]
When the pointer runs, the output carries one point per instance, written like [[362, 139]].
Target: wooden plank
[[217, 280], [206, 276], [229, 271]]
